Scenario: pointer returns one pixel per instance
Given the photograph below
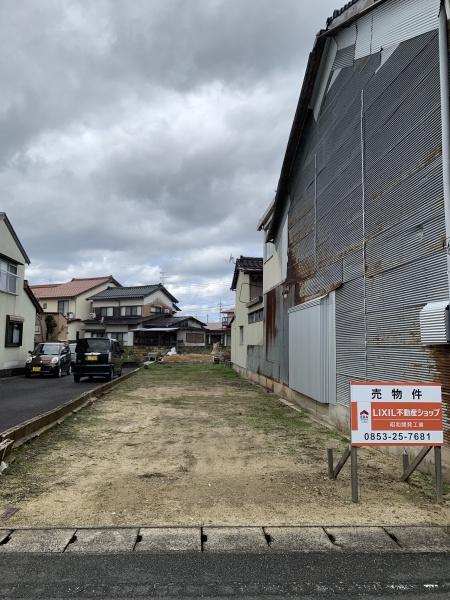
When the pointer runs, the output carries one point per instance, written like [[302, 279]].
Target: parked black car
[[49, 358], [97, 357]]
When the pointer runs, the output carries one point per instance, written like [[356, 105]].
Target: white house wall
[[238, 350], [275, 268], [15, 304]]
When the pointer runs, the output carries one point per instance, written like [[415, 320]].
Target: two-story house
[[18, 306], [122, 312], [247, 327], [71, 300]]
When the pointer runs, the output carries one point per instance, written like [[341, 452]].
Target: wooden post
[[405, 459], [354, 469], [415, 463], [438, 471], [330, 463]]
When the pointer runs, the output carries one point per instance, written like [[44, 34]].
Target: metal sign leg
[[438, 471], [354, 469]]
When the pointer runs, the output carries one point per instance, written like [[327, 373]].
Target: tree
[[50, 325]]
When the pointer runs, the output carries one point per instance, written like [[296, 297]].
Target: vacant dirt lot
[[185, 444]]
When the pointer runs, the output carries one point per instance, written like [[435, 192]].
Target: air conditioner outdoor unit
[[92, 315], [435, 323]]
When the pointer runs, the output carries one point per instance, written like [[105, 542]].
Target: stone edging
[[219, 539]]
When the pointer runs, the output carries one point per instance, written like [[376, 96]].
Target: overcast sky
[[140, 136]]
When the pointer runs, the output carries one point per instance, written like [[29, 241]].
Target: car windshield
[[47, 349], [92, 345]]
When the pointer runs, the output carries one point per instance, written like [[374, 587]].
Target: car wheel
[[58, 373], [76, 378], [110, 375], [27, 374]]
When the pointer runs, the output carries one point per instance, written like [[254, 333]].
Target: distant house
[[71, 300], [122, 312], [18, 306], [218, 333], [168, 331], [247, 327]]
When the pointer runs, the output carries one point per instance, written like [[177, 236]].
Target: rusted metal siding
[[366, 216], [272, 358]]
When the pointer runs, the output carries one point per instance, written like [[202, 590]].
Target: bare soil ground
[[194, 443], [188, 358]]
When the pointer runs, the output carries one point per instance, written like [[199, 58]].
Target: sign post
[[398, 414]]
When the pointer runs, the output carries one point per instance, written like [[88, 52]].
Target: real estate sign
[[396, 414]]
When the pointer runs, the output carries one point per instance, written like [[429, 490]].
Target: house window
[[120, 336], [156, 309], [241, 335], [14, 332], [268, 251], [8, 277], [130, 311], [195, 338], [105, 311], [63, 306], [256, 316]]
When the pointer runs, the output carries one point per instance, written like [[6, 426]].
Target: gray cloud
[[147, 135]]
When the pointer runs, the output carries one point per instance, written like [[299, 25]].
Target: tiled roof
[[139, 291], [169, 321], [126, 292], [246, 264], [118, 320], [72, 288], [215, 327]]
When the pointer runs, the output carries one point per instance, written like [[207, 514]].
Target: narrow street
[[22, 399], [196, 444], [246, 576]]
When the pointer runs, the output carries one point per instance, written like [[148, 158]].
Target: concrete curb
[[227, 539], [23, 432]]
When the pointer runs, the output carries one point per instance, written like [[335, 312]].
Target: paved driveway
[[21, 398]]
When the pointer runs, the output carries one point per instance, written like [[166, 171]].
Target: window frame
[[8, 275], [128, 311], [64, 302], [11, 324]]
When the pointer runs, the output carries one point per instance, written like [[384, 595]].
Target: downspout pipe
[[445, 121]]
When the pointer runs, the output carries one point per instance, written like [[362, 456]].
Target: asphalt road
[[22, 398], [186, 576]]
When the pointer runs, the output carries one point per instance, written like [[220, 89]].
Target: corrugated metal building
[[362, 193]]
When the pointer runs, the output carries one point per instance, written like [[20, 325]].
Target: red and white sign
[[396, 414]]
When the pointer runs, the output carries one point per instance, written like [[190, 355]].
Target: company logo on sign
[[364, 416]]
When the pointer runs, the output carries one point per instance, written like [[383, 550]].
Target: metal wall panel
[[312, 349], [346, 37], [395, 22], [384, 262], [344, 58], [363, 36]]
